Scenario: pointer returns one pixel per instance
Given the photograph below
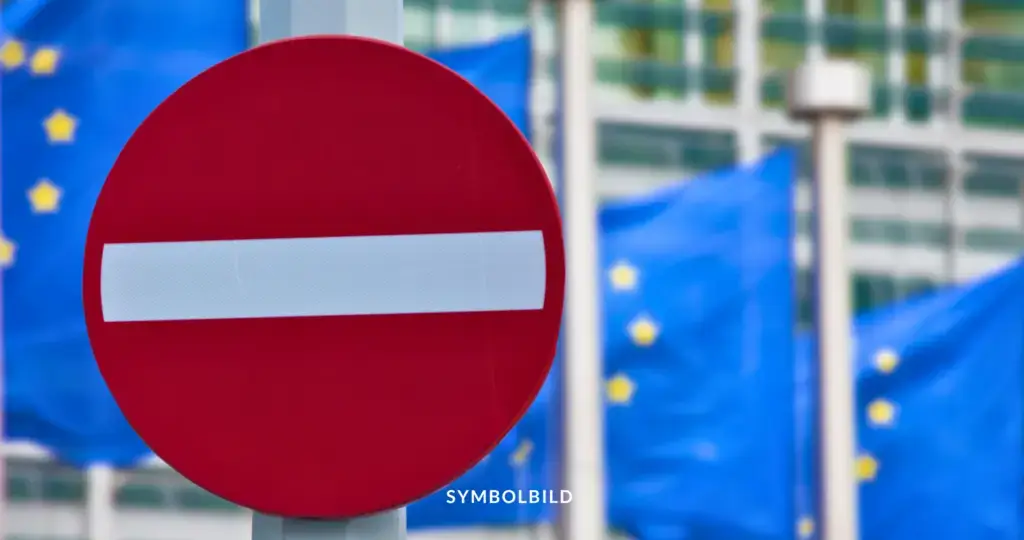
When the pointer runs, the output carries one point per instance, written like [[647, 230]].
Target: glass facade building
[[688, 85]]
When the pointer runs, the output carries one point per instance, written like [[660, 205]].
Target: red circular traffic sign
[[324, 278]]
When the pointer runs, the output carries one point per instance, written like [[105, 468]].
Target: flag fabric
[[698, 346], [501, 69], [939, 415], [78, 77]]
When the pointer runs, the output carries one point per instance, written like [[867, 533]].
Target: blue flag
[[939, 414], [78, 77], [501, 70], [698, 301]]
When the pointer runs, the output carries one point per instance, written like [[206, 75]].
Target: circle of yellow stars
[[643, 331], [625, 277], [880, 413], [14, 54], [44, 197]]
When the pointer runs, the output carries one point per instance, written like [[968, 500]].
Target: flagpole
[[101, 514], [827, 94], [383, 20], [583, 430]]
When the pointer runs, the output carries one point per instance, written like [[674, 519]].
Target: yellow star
[[44, 197], [643, 331], [881, 412], [620, 389], [12, 54], [866, 467], [805, 527], [623, 276], [7, 249], [60, 127], [886, 361], [522, 453], [44, 61]]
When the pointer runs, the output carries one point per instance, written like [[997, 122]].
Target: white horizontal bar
[[310, 277]]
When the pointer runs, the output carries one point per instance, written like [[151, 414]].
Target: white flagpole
[[827, 94], [583, 431], [100, 510]]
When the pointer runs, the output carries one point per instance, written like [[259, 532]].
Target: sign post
[[325, 277], [380, 19]]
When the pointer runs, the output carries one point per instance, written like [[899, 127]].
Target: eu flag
[[698, 300], [78, 77], [939, 414]]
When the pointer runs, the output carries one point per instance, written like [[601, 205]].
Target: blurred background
[[684, 90]]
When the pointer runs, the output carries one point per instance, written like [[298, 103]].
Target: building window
[[649, 58], [993, 66], [688, 151], [868, 292]]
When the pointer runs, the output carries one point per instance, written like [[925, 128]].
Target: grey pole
[[384, 526], [583, 420], [379, 19], [827, 94]]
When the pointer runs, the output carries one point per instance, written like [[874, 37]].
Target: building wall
[[936, 171]]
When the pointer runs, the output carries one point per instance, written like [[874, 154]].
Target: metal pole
[[100, 512], [383, 526], [832, 325], [828, 93], [379, 19], [583, 446]]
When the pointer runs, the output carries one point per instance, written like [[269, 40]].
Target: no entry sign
[[324, 278]]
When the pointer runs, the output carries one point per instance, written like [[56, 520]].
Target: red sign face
[[324, 278]]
